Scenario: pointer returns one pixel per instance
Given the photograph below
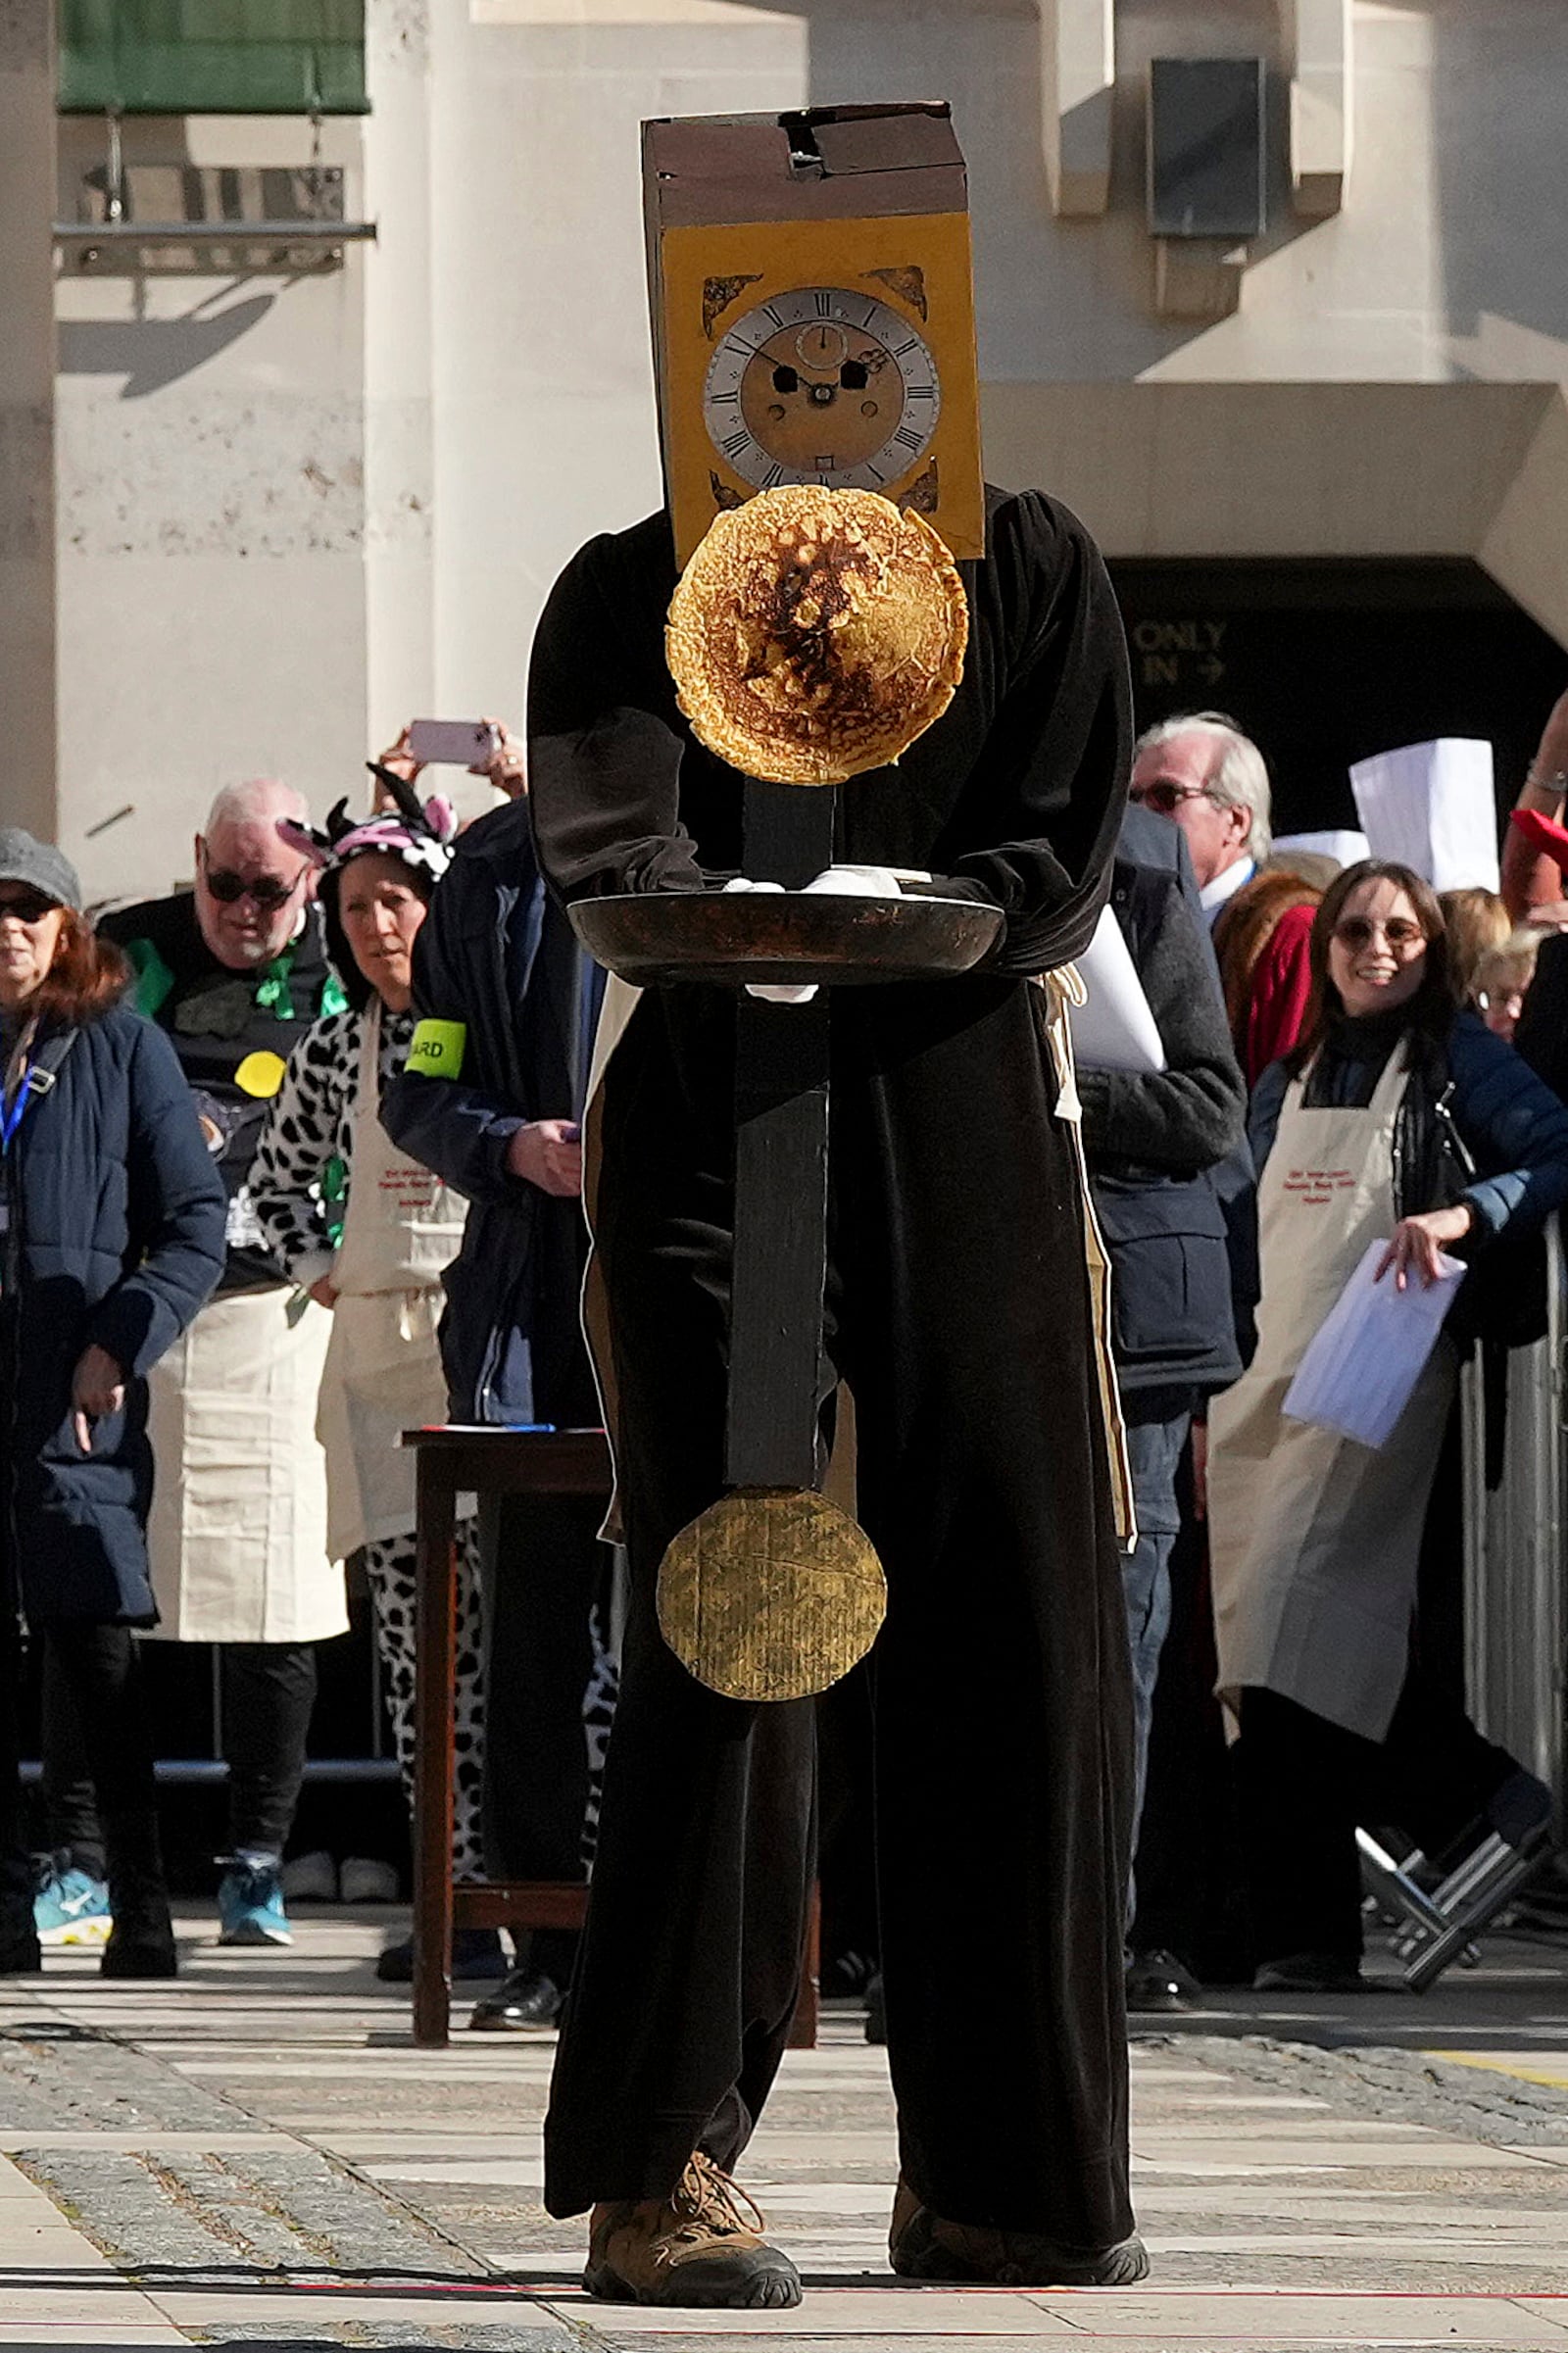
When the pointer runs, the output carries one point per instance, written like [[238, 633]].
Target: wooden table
[[457, 1460], [453, 1460]]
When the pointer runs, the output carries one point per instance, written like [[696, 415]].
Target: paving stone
[[275, 2210], [273, 2163], [1419, 2087], [408, 2337], [56, 2077]]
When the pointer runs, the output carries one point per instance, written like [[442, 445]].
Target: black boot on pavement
[[476, 1954], [19, 1953], [522, 2004], [141, 1943], [1310, 1972], [1156, 1982], [922, 2246], [702, 2246]]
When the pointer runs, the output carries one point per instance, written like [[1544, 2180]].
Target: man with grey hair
[[235, 972], [1199, 770]]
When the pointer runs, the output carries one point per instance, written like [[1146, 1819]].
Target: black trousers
[[101, 1669], [846, 1860], [267, 1693], [1305, 1784], [541, 1558], [957, 1309]]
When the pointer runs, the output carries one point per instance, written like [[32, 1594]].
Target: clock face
[[822, 385]]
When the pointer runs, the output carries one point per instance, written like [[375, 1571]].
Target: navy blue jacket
[[115, 1236], [498, 956], [1513, 1127], [1154, 1142]]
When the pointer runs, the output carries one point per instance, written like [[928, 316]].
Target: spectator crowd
[[291, 1161]]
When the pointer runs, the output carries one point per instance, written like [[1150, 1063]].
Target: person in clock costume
[[958, 1313]]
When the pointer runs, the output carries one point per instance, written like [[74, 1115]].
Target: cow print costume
[[299, 1189]]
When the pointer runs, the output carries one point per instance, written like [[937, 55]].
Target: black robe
[[958, 1310]]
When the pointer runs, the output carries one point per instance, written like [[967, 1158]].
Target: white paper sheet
[[1115, 1030], [1371, 1348], [1432, 807], [1342, 843]]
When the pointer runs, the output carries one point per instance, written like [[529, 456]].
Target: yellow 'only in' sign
[[436, 1050]]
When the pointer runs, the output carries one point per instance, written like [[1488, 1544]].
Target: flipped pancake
[[815, 634]]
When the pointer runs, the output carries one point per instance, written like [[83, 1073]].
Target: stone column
[[399, 466], [27, 197]]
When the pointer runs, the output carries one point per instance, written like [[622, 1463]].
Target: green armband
[[436, 1050]]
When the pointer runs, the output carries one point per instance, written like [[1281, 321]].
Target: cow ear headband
[[420, 833]]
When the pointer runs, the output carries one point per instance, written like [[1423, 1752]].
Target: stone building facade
[[253, 512]]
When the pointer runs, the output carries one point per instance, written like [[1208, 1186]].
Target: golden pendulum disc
[[770, 1594]]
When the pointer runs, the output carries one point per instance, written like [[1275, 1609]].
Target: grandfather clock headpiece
[[814, 312]]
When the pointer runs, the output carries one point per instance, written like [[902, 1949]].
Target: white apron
[[1314, 1540], [383, 1374], [237, 1535]]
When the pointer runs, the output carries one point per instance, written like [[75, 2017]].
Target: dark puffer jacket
[[1155, 1141], [498, 963], [115, 1236], [1514, 1128]]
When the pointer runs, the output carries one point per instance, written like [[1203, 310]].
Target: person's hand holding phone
[[505, 769], [548, 1153], [399, 758]]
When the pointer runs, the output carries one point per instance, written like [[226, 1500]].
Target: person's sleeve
[[1263, 1113], [1281, 992], [179, 1209], [1516, 1129], [603, 762], [1192, 1113], [289, 1170], [457, 1132], [1039, 828], [428, 1109], [1542, 1036], [1529, 878], [1235, 1183]]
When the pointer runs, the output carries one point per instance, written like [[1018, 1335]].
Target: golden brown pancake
[[815, 634]]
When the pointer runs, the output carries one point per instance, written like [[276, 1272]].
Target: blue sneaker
[[250, 1901], [71, 1906]]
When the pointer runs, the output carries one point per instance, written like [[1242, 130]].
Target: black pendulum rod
[[781, 1114]]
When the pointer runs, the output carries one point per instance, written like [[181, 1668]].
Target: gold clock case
[[738, 215]]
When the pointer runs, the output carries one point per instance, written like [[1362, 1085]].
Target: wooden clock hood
[[817, 260]]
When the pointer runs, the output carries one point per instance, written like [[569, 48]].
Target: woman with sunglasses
[[110, 1238], [1403, 1120]]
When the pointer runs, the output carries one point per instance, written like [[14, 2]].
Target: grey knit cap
[[40, 864]]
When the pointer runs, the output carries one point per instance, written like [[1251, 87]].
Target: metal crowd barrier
[[1515, 1564], [1516, 1641]]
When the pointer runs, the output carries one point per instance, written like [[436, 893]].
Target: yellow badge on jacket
[[261, 1074], [436, 1050]]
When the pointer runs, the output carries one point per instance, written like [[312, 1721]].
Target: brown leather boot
[[702, 2245], [922, 2246]]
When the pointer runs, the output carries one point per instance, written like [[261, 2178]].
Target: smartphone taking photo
[[454, 743]]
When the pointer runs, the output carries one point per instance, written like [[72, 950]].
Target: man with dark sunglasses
[[235, 972], [1209, 778]]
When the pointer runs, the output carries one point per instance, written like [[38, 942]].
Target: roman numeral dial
[[823, 385]]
